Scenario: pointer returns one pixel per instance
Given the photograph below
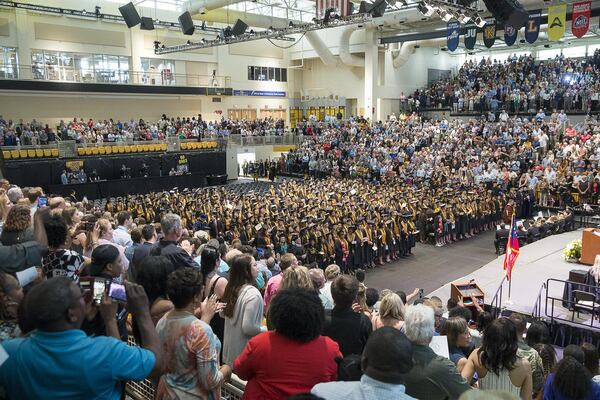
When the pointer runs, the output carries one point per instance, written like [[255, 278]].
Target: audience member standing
[[172, 229], [432, 377], [386, 360], [293, 357], [244, 308], [348, 328]]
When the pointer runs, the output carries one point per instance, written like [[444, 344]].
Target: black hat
[[387, 356]]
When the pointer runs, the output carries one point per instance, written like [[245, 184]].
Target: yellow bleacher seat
[[6, 154], [145, 147], [30, 153], [139, 148], [80, 151], [184, 146], [39, 153], [23, 153], [54, 152], [95, 151], [163, 147], [102, 150], [127, 149], [47, 152], [14, 153], [121, 149], [108, 149], [115, 149]]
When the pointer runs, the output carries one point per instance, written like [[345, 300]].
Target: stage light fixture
[[480, 22], [97, 11], [425, 9], [156, 45], [463, 18], [446, 15], [239, 28]]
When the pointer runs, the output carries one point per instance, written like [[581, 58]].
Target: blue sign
[[532, 28], [258, 93], [510, 35], [453, 35]]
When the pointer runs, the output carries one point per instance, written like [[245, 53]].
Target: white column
[[137, 49], [371, 73], [24, 41]]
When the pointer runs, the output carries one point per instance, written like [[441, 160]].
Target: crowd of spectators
[[75, 290], [22, 133], [518, 85]]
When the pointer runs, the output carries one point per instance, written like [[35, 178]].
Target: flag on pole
[[512, 250]]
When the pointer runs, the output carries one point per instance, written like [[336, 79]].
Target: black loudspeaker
[[364, 7], [147, 24], [508, 12], [239, 28], [130, 15], [378, 8], [186, 23]]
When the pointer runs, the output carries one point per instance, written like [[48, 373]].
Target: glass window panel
[[124, 69], [257, 73], [271, 72], [250, 73], [263, 73], [278, 74], [38, 68], [283, 74]]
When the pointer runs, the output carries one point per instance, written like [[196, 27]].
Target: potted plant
[[572, 252]]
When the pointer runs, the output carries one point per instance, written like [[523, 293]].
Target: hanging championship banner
[[453, 34], [510, 35], [557, 17], [582, 13], [532, 28], [470, 36], [489, 34]]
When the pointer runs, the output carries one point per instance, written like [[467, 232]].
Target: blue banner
[[258, 93], [532, 27], [510, 35], [453, 35]]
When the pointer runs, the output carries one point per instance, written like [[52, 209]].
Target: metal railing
[[496, 303], [44, 72], [537, 306], [571, 304], [287, 139]]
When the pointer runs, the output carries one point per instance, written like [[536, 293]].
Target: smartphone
[[99, 290], [117, 292], [421, 293], [42, 201]]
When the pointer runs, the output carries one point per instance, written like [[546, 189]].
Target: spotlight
[[446, 15], [270, 30], [252, 32], [203, 41], [425, 9], [97, 11], [291, 24], [480, 22], [189, 42], [163, 46], [156, 45], [462, 18]]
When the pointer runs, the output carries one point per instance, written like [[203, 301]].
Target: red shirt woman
[[292, 358]]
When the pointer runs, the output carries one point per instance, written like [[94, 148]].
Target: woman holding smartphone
[[106, 266]]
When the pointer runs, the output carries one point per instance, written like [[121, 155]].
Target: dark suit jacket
[[19, 257], [178, 256]]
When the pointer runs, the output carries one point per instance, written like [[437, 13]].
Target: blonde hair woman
[[391, 312], [296, 277], [5, 206]]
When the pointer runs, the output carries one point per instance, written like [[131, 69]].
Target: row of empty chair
[[136, 148], [29, 153], [198, 145]]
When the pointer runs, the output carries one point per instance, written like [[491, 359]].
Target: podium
[[468, 292], [590, 245]]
